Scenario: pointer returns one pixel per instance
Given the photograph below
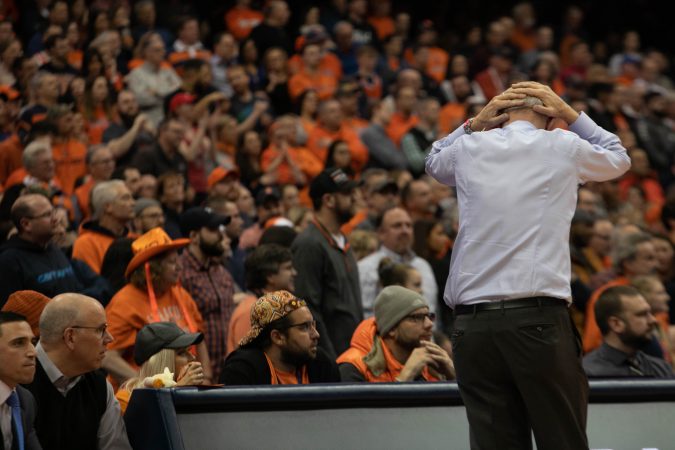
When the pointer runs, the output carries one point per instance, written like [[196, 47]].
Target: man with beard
[[281, 348], [395, 233], [396, 345], [328, 277], [627, 324], [131, 133], [204, 276]]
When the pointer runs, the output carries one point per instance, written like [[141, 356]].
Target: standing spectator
[[112, 210], [207, 280], [498, 75], [100, 167], [328, 277], [271, 32], [152, 80], [396, 237], [417, 141], [77, 408]]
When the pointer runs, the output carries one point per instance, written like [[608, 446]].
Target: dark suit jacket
[[28, 413]]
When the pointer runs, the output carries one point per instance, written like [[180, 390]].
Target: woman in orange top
[[160, 346], [97, 110], [308, 104]]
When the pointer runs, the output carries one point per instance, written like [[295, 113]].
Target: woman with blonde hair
[[162, 351]]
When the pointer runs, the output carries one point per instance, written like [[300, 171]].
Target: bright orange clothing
[[356, 124], [399, 126], [384, 26], [320, 139], [91, 246], [123, 396], [592, 337], [129, 311], [75, 58], [308, 163], [69, 159], [82, 195], [525, 40], [307, 125], [654, 196], [97, 125], [490, 83], [451, 116], [241, 21], [354, 222], [437, 62], [324, 85], [330, 65], [279, 377], [240, 322], [362, 343], [11, 151]]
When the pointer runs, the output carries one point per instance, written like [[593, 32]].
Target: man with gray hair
[[77, 408], [100, 167], [112, 208], [517, 352], [44, 88]]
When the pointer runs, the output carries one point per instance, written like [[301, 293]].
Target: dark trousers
[[519, 370]]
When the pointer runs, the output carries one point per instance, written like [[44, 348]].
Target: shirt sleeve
[[600, 155], [440, 163], [112, 434]]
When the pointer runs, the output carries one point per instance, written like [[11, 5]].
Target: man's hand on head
[[554, 106], [491, 116]]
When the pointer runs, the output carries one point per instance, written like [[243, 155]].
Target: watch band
[[467, 126]]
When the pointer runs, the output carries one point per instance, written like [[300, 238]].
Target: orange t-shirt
[[399, 126], [384, 26], [330, 65], [69, 157], [82, 195], [129, 311], [592, 337], [240, 322], [11, 152], [320, 139], [451, 116], [437, 62], [323, 84], [279, 377], [91, 247], [308, 163], [241, 21]]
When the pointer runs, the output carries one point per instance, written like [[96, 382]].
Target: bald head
[[62, 312]]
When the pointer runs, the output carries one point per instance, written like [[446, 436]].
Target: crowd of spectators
[[179, 168]]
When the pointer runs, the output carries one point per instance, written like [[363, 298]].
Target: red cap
[[181, 99]]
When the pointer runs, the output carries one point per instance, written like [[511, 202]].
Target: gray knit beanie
[[393, 304]]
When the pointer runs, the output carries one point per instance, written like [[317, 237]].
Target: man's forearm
[[117, 367]]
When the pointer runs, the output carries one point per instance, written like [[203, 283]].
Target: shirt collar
[[5, 392], [613, 355], [55, 376], [407, 258], [521, 125]]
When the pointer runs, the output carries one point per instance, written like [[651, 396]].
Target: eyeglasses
[[47, 214], [304, 326], [100, 329], [419, 318]]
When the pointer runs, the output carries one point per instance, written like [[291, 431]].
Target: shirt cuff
[[584, 126]]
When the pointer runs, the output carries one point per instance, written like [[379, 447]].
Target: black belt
[[516, 303]]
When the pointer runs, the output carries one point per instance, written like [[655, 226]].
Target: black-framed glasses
[[419, 318], [100, 329], [304, 326]]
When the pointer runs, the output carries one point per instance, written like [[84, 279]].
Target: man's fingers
[[545, 110]]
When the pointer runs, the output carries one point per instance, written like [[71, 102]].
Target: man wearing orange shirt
[[329, 128], [453, 113], [69, 153], [310, 76], [349, 94], [240, 20], [404, 118], [100, 167]]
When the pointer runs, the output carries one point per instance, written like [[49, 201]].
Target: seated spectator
[[404, 117], [417, 199], [18, 404], [396, 344], [417, 141], [148, 214], [160, 346], [363, 243], [652, 289], [68, 149], [153, 294], [171, 192], [97, 108], [391, 273], [77, 408], [268, 206], [113, 209], [382, 150], [281, 347], [626, 322], [100, 167], [30, 305]]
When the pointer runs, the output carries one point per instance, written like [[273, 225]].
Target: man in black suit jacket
[[17, 354]]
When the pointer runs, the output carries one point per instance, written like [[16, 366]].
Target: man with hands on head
[[395, 344], [517, 354]]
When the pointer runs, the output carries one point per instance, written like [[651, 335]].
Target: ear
[[616, 324], [328, 200], [69, 338], [277, 337]]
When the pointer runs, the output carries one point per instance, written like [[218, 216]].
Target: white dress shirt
[[517, 192], [370, 279], [112, 434]]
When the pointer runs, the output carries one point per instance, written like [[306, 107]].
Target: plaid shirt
[[212, 289]]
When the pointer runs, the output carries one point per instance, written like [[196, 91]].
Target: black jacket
[[246, 366]]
